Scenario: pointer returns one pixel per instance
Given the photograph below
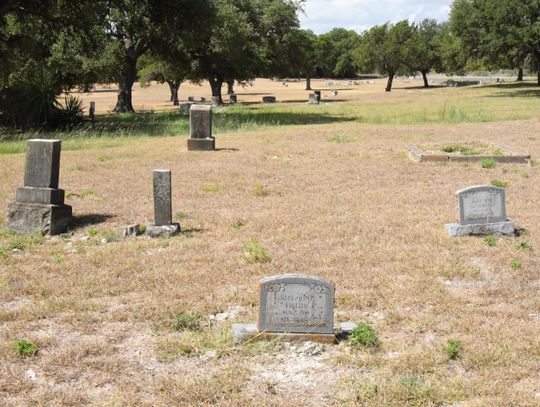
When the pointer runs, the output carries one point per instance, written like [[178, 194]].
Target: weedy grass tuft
[[464, 150], [452, 349], [92, 231], [186, 322], [500, 184], [339, 138], [260, 191], [181, 215], [240, 223], [488, 163], [209, 189], [364, 335], [24, 348], [525, 245], [491, 241], [515, 264], [255, 252]]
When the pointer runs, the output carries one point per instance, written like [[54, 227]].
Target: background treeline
[[48, 47]]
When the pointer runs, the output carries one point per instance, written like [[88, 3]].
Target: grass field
[[323, 190]]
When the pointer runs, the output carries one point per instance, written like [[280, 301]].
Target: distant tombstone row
[[39, 204], [482, 211]]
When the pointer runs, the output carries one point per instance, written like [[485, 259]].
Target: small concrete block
[[163, 230], [497, 229], [200, 121], [132, 230], [40, 195], [25, 217], [42, 168], [201, 144]]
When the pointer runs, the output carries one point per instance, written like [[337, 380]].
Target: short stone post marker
[[313, 99], [294, 308], [39, 204], [163, 224], [200, 123], [482, 211], [92, 111], [318, 95], [234, 99]]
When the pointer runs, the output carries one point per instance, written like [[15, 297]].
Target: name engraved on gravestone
[[482, 204], [296, 304]]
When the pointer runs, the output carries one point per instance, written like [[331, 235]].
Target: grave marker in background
[[200, 123], [163, 224]]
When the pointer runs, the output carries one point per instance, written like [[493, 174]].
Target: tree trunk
[[424, 76], [174, 86], [308, 82], [124, 102], [215, 84], [520, 75], [389, 84], [230, 87]]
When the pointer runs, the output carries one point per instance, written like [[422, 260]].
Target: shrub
[[452, 349], [254, 252], [24, 348], [364, 335], [488, 163]]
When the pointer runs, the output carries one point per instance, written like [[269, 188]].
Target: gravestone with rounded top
[[482, 211], [39, 204], [200, 122]]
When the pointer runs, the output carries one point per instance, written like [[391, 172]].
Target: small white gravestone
[[482, 211]]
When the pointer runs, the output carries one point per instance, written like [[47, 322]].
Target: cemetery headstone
[[200, 122], [294, 308], [191, 98], [163, 224], [39, 204], [234, 99], [203, 99], [313, 100], [216, 101], [92, 111], [482, 211], [269, 99], [185, 107], [318, 95]]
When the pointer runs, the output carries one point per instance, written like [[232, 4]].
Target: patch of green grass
[[3, 252], [240, 223], [498, 152], [86, 192], [464, 150], [488, 163], [515, 264], [58, 259], [181, 215], [186, 322], [491, 241], [525, 245], [24, 348], [499, 184], [92, 231], [364, 335], [260, 191], [209, 189], [339, 138], [24, 242], [255, 252], [452, 349]]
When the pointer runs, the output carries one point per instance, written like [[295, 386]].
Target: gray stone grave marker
[[482, 211], [163, 224], [313, 99], [92, 111], [39, 204], [191, 98], [234, 99], [185, 107], [318, 95], [200, 122], [294, 308], [216, 101]]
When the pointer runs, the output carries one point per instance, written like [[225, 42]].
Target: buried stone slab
[[163, 225], [292, 308], [482, 211]]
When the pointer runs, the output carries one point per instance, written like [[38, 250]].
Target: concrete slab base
[[24, 217], [496, 229], [163, 231], [201, 144]]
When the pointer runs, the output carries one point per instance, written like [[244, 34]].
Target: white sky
[[323, 15]]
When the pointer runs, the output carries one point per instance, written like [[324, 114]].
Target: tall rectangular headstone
[[39, 204], [163, 224], [482, 211], [200, 129]]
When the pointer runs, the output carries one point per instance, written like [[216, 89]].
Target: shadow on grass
[[227, 149], [514, 89], [419, 87], [82, 221]]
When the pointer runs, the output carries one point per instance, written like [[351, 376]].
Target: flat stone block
[[40, 195], [163, 230], [23, 217], [249, 333], [497, 229], [201, 144], [42, 168]]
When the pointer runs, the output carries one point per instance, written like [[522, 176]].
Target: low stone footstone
[[482, 211], [185, 107], [200, 123], [163, 224], [234, 99], [39, 204], [313, 99], [269, 99], [292, 308]]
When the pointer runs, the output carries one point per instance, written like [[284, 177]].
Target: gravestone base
[[163, 231], [40, 195], [201, 144], [496, 229], [249, 333], [23, 217]]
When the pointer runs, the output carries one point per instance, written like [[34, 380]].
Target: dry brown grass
[[358, 213]]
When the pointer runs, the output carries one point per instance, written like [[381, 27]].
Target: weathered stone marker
[[39, 204], [318, 95], [482, 211], [234, 99], [185, 107], [216, 101], [200, 122], [293, 308], [191, 98], [313, 99], [92, 111], [163, 224], [269, 99]]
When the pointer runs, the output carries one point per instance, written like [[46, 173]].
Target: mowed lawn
[[147, 322]]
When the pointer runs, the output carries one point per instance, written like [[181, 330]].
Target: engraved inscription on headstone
[[482, 204], [296, 304]]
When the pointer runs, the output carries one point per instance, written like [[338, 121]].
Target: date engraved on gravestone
[[482, 204], [296, 304]]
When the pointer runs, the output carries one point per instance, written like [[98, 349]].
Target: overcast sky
[[323, 15]]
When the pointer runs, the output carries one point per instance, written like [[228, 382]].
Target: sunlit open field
[[327, 190]]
